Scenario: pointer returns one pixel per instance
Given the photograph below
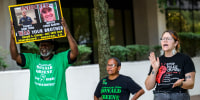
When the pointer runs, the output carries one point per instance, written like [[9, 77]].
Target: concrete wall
[[82, 81], [5, 30], [148, 21]]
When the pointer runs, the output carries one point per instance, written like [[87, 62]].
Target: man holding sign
[[47, 70]]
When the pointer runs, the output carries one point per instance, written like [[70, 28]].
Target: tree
[[100, 17]]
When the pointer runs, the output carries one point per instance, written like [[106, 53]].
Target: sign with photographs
[[37, 21]]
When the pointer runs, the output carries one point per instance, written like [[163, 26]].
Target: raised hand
[[155, 63], [64, 24], [12, 29]]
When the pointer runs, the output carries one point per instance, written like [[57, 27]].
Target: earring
[[161, 52], [173, 51]]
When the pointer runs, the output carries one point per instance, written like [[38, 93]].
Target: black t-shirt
[[118, 89], [171, 69]]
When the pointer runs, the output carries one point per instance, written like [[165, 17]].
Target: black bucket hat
[[52, 41]]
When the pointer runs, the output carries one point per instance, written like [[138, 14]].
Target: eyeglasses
[[166, 39], [111, 65]]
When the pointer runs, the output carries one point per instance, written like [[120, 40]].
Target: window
[[183, 15]]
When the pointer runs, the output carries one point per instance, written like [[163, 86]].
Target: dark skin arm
[[72, 43], [13, 48], [95, 98], [138, 94]]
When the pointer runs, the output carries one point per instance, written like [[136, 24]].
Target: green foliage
[[84, 55], [29, 47], [196, 21], [61, 49], [3, 63], [3, 54], [119, 52], [132, 51], [174, 19], [156, 49], [162, 5], [137, 52], [190, 43]]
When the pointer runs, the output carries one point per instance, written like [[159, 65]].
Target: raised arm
[[13, 48], [151, 79], [138, 94], [72, 42]]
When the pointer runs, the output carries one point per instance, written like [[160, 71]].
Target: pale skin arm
[[150, 81], [72, 43], [137, 95], [95, 98], [188, 83], [13, 48]]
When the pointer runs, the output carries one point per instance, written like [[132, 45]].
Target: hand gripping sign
[[37, 21]]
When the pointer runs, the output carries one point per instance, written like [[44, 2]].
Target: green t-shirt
[[47, 77]]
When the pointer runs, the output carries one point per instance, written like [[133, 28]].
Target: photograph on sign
[[37, 21]]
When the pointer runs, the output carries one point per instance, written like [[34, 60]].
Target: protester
[[116, 86], [172, 73], [47, 70]]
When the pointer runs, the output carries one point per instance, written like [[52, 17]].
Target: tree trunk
[[100, 17]]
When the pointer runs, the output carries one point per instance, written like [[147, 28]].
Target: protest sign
[[37, 21]]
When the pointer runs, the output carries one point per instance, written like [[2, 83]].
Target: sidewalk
[[196, 97]]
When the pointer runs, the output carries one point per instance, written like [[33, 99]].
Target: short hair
[[117, 60]]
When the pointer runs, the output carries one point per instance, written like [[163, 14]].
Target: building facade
[[130, 22]]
